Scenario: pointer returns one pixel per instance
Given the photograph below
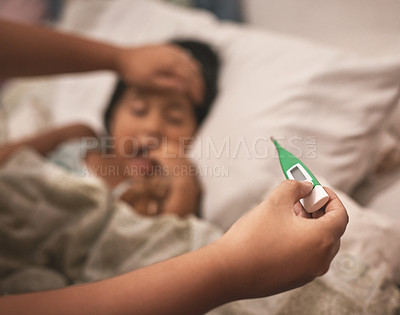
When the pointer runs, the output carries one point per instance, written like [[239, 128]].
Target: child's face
[[147, 127], [143, 120]]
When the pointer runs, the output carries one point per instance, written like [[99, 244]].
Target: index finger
[[335, 217], [192, 81], [188, 68]]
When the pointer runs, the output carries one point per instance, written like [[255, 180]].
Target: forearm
[[45, 142], [32, 50], [260, 255], [189, 284]]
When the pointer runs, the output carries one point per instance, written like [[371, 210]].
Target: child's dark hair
[[209, 62]]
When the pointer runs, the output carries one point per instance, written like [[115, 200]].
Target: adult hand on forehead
[[162, 67]]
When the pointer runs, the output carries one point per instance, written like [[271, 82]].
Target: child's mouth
[[142, 164]]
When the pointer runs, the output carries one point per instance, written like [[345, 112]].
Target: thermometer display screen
[[297, 174]]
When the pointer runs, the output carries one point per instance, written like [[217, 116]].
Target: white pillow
[[25, 108], [326, 106]]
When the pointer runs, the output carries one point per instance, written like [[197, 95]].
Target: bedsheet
[[58, 229]]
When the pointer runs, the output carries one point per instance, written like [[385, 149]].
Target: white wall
[[366, 26]]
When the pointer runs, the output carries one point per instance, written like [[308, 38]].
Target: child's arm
[[269, 250], [45, 142]]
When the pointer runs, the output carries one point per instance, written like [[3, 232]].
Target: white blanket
[[58, 229]]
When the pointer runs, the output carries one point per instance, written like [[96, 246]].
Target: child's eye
[[175, 120], [175, 115], [138, 107]]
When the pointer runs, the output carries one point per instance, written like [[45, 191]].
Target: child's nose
[[154, 126]]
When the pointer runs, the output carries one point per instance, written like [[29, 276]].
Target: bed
[[337, 110]]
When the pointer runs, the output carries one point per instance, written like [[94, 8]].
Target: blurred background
[[364, 26]]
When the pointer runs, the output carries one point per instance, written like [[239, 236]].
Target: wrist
[[108, 57], [229, 276], [217, 269], [117, 61], [187, 202]]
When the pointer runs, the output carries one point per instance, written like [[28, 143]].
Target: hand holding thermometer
[[293, 168]]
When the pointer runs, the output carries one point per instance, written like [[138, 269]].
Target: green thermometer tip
[[293, 168], [287, 160]]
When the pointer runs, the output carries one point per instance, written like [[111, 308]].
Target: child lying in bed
[[142, 158], [282, 251]]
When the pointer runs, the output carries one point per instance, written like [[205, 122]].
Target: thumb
[[336, 217], [290, 191]]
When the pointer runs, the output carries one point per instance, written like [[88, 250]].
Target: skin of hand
[[147, 195], [185, 190], [273, 248], [162, 67]]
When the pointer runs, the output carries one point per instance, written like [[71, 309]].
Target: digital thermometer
[[293, 168]]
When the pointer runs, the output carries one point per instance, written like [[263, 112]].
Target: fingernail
[[308, 183]]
